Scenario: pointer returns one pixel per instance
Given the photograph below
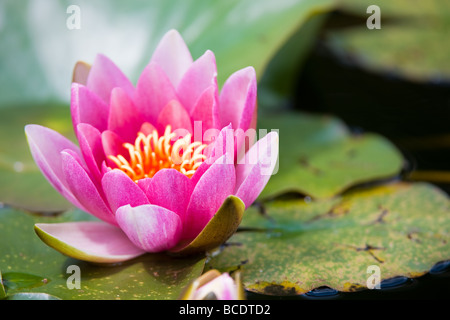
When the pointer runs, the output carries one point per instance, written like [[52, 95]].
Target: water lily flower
[[212, 285], [154, 162]]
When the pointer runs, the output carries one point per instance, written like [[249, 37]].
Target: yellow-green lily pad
[[298, 245]]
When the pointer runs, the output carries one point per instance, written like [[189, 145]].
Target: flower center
[[151, 153]]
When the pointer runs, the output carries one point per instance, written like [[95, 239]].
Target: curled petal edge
[[219, 229], [110, 244]]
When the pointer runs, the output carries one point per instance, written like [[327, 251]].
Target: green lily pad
[[151, 276], [319, 157], [412, 41], [298, 245]]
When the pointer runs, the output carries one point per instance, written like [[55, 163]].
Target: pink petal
[[170, 189], [175, 115], [209, 193], [46, 146], [90, 141], [92, 241], [204, 112], [147, 128], [105, 76], [224, 143], [120, 190], [250, 136], [105, 168], [243, 140], [113, 146], [220, 143], [123, 117], [150, 227], [256, 168], [237, 102], [173, 56], [87, 107], [199, 172], [201, 75], [84, 189], [153, 92]]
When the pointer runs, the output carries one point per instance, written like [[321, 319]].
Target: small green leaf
[[299, 245], [19, 280], [219, 229]]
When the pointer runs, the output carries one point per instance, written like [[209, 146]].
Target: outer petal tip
[[238, 99], [45, 146], [88, 241], [173, 55], [81, 72]]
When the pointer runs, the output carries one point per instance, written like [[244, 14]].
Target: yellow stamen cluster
[[151, 153]]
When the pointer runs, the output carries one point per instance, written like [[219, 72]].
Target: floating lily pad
[[319, 157], [36, 268], [299, 245], [18, 280]]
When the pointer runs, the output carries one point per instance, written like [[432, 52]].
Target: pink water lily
[[155, 162], [212, 285]]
